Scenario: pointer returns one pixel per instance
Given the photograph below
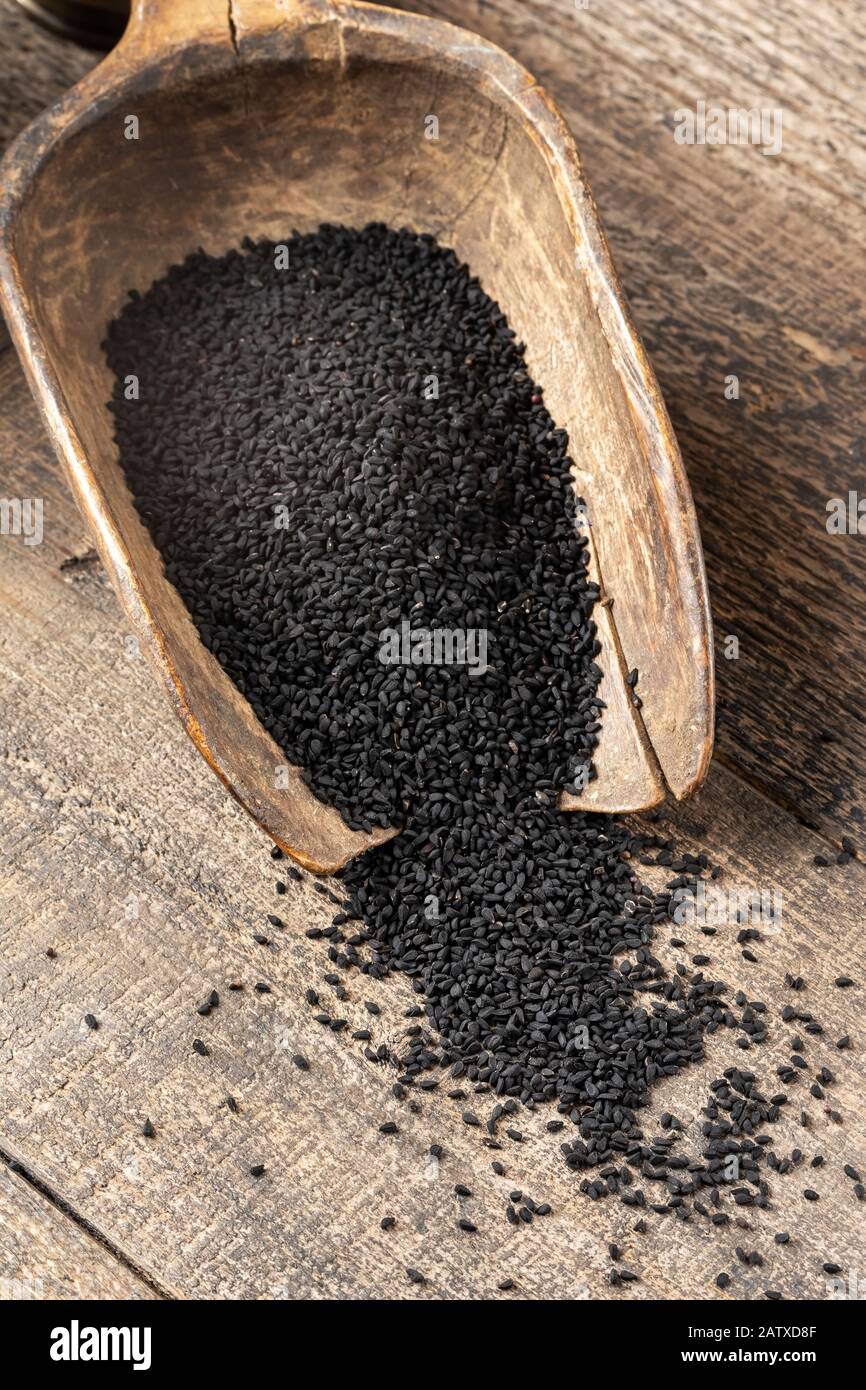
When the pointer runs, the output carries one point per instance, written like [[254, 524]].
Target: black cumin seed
[[199, 1047], [257, 1170], [148, 1130], [91, 1021]]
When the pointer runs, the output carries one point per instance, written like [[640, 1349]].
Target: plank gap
[[65, 1210]]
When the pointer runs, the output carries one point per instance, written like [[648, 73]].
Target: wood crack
[[69, 1212]]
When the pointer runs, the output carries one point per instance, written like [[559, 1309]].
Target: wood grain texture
[[44, 1255], [124, 856], [736, 262], [36, 67]]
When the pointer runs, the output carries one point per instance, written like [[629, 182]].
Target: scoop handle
[[157, 23]]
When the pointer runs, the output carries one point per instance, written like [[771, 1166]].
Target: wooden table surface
[[120, 852]]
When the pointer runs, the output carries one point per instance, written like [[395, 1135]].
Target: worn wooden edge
[[685, 764], [623, 740]]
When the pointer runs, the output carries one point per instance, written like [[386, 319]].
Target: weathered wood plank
[[44, 1255], [36, 68]]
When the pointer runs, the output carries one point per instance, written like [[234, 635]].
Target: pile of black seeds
[[331, 450], [324, 452]]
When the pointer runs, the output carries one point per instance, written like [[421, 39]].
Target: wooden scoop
[[256, 117]]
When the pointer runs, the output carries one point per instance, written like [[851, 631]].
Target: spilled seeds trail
[[341, 461]]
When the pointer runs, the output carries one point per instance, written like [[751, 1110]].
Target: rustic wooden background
[[119, 851]]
